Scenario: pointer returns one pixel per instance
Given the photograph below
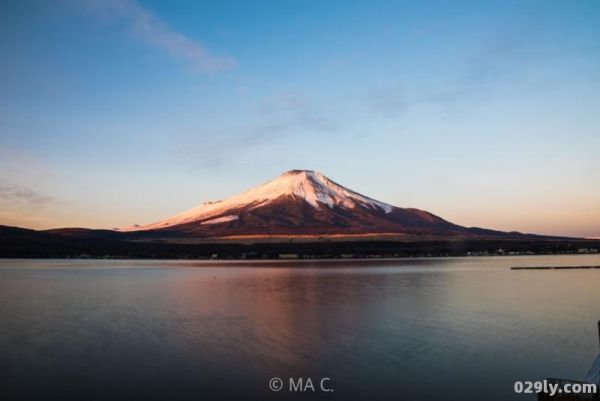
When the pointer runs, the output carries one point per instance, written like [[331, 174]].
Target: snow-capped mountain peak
[[312, 187], [315, 189]]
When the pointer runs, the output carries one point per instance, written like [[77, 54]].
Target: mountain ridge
[[301, 213], [310, 186], [302, 206], [306, 203]]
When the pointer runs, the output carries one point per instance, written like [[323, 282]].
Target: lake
[[407, 329]]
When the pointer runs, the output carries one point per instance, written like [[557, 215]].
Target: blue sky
[[121, 112]]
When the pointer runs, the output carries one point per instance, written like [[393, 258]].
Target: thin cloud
[[279, 117], [490, 66], [24, 195], [393, 102], [148, 28]]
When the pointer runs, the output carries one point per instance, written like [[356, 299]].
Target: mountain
[[306, 203], [300, 213]]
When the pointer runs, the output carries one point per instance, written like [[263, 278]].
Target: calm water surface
[[414, 329]]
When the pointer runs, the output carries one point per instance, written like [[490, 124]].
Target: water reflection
[[411, 329]]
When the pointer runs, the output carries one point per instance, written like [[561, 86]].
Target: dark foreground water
[[420, 329]]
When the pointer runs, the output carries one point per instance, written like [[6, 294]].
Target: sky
[[115, 113]]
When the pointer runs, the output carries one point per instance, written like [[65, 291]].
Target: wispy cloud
[[23, 195], [395, 101], [282, 116], [505, 58], [147, 27], [289, 113], [475, 83]]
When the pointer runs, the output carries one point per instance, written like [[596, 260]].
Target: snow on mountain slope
[[312, 187]]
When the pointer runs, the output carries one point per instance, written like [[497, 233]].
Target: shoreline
[[329, 259]]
